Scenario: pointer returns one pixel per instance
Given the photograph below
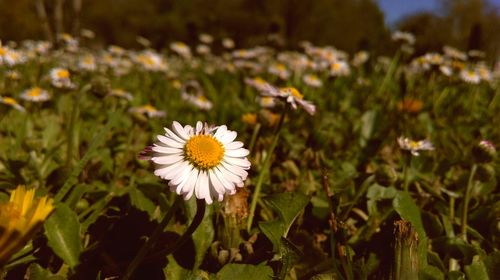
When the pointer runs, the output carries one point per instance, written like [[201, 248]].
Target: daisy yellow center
[[149, 108], [147, 60], [312, 78], [294, 92], [34, 92], [259, 81], [280, 67], [10, 101], [2, 51], [336, 66], [63, 74], [204, 151], [414, 144], [266, 100], [202, 98]]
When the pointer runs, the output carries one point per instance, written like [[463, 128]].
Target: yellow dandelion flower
[[20, 218]]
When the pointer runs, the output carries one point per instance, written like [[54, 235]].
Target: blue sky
[[396, 9]]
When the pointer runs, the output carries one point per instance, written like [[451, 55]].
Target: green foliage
[[288, 206], [63, 233], [244, 272]]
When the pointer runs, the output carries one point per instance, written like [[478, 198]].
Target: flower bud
[[484, 152], [223, 257], [485, 172]]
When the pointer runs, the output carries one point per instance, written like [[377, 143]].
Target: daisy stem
[[71, 128], [152, 240], [254, 137], [465, 210], [198, 218], [407, 166], [265, 169]]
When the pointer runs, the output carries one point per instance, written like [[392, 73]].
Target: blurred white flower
[[415, 146], [35, 94]]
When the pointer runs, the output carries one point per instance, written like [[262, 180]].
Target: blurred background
[[348, 25]]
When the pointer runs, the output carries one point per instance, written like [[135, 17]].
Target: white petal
[[173, 136], [227, 185], [168, 159], [183, 187], [179, 130], [204, 187], [181, 177], [244, 163], [215, 182], [238, 153], [221, 131], [233, 145], [199, 127], [197, 189], [228, 137], [168, 171], [230, 176], [166, 150], [189, 130], [170, 142], [236, 170], [188, 188]]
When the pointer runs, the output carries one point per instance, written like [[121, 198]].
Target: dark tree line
[[349, 25]]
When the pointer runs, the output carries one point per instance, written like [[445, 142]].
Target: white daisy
[[415, 146], [198, 100], [280, 70], [228, 43], [203, 49], [404, 37], [9, 101], [202, 160], [312, 81], [181, 49], [151, 61], [87, 63], [118, 92], [60, 78], [290, 95], [340, 68], [35, 94], [206, 38], [257, 83], [148, 110], [470, 76]]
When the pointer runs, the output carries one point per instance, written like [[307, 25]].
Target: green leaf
[[204, 234], [431, 273], [409, 211], [288, 206], [36, 272], [290, 255], [456, 275], [377, 192], [477, 270], [273, 230], [367, 123], [141, 202], [173, 271], [492, 264], [245, 272], [63, 233]]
